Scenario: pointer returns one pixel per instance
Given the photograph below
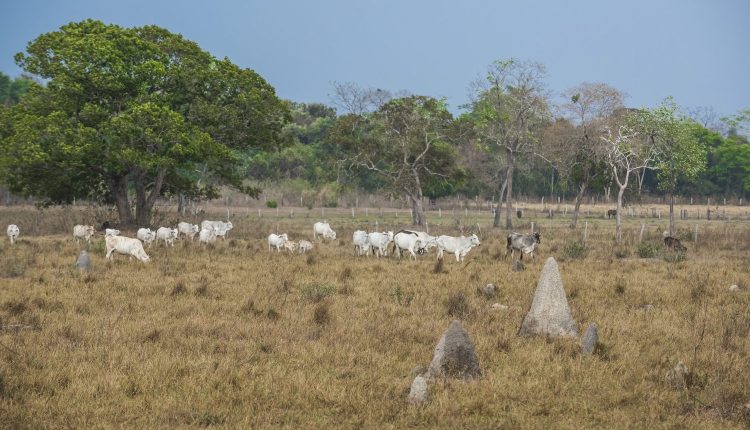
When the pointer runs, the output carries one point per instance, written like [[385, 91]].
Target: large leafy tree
[[133, 112], [406, 143], [681, 153], [510, 109]]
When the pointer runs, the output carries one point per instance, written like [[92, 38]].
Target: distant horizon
[[689, 50]]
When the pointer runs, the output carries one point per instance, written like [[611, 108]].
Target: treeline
[[127, 115]]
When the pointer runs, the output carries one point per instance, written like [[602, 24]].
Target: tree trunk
[[119, 189], [509, 192], [576, 211], [496, 222], [618, 217], [145, 203], [671, 213], [417, 210], [181, 204]]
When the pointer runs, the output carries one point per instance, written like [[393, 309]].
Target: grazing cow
[[361, 242], [525, 243], [206, 235], [277, 240], [146, 235], [612, 213], [111, 232], [379, 242], [409, 241], [13, 231], [290, 246], [323, 229], [459, 246], [83, 232], [220, 227], [168, 235], [304, 246], [125, 245], [189, 230], [673, 243]]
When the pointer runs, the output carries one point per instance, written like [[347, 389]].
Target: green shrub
[[272, 204], [647, 250], [576, 250], [317, 292]]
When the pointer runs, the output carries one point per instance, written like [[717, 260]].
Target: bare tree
[[589, 107], [509, 109], [353, 99], [626, 152]]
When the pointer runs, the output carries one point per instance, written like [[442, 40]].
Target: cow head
[[537, 237], [474, 240]]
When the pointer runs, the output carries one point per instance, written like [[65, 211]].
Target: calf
[[206, 235], [168, 235], [13, 231], [612, 213], [304, 246], [525, 243], [290, 246], [189, 230], [459, 246], [83, 232], [146, 235], [125, 245]]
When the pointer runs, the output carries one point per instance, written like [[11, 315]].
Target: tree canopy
[[133, 108]]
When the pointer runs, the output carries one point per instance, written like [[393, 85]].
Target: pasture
[[234, 336]]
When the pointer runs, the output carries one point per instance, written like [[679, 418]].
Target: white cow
[[189, 230], [406, 240], [220, 227], [206, 235], [168, 235], [361, 241], [323, 229], [304, 246], [460, 246], [146, 235], [13, 232], [111, 232], [276, 240], [379, 242], [83, 232], [125, 245]]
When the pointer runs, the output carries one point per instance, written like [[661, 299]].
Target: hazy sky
[[696, 51]]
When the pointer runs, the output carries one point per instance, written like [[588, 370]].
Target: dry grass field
[[234, 336]]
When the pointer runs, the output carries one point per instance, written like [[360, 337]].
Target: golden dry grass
[[234, 336]]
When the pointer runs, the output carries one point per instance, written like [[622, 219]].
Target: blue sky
[[696, 51]]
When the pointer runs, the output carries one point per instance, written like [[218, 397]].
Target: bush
[[647, 250], [576, 250], [622, 253], [458, 306], [317, 292], [272, 204]]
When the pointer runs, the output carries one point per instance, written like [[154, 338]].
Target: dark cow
[[612, 213], [674, 243], [525, 243]]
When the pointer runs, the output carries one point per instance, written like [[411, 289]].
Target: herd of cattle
[[380, 244]]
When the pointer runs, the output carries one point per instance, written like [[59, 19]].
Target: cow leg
[[458, 256]]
